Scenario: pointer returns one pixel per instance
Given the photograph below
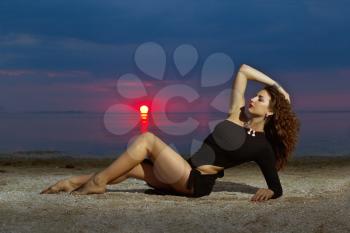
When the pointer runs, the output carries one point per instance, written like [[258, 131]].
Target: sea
[[94, 134]]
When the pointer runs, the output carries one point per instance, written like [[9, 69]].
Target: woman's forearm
[[256, 75], [253, 74]]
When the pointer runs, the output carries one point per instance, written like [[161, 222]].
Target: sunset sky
[[59, 55]]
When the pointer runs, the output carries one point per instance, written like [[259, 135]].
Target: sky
[[68, 55]]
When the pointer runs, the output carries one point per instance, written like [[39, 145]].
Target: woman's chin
[[251, 112]]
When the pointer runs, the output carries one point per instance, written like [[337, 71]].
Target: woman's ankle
[[99, 179]]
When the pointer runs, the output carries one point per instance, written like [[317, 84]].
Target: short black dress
[[230, 145], [202, 183]]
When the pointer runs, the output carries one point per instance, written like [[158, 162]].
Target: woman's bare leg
[[169, 167], [72, 183], [67, 185]]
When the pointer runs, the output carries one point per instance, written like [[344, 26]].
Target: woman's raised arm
[[237, 100], [256, 75]]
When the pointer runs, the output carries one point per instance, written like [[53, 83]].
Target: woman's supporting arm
[[266, 162]]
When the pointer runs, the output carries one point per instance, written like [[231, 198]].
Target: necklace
[[251, 131]]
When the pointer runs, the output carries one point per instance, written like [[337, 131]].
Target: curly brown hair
[[282, 128]]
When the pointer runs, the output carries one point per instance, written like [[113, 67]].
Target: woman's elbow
[[245, 70]]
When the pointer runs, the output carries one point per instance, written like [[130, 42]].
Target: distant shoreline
[[92, 112], [56, 158]]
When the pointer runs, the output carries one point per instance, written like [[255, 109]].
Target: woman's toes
[[44, 191], [50, 190], [59, 186]]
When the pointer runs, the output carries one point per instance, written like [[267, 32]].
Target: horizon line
[[218, 112]]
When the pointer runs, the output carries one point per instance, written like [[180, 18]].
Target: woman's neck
[[256, 123]]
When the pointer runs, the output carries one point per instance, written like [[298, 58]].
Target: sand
[[316, 199]]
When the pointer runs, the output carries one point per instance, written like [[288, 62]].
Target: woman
[[267, 136]]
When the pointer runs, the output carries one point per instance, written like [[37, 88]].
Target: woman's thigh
[[169, 169], [144, 171]]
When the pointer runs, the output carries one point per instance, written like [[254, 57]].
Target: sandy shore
[[316, 199]]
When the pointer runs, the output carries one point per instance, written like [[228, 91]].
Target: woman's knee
[[141, 143], [149, 142], [149, 139]]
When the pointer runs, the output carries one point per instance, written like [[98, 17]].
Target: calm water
[[85, 134]]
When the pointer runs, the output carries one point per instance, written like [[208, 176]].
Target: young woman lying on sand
[[266, 136]]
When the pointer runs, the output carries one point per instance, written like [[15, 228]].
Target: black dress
[[227, 146]]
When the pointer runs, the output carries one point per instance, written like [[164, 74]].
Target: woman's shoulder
[[236, 121]]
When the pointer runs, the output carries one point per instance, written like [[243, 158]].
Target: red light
[[144, 109]]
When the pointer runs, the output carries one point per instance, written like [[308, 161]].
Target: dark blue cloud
[[101, 36]]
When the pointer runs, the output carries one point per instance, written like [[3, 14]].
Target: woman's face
[[258, 105]]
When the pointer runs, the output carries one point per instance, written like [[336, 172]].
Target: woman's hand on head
[[286, 95], [262, 195]]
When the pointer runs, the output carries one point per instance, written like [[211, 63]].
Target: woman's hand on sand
[[262, 195]]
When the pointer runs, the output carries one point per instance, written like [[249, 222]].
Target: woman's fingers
[[261, 195], [286, 95], [265, 197], [288, 98]]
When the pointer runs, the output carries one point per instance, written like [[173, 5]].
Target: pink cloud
[[93, 95], [325, 79], [19, 40], [15, 73], [318, 89], [23, 73], [72, 74], [330, 101], [328, 91]]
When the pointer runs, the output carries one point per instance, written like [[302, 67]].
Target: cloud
[[15, 73], [335, 12], [78, 45], [101, 35], [322, 101], [317, 89], [63, 54], [20, 73], [18, 40], [315, 80]]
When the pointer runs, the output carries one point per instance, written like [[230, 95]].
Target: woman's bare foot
[[92, 186], [62, 185]]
